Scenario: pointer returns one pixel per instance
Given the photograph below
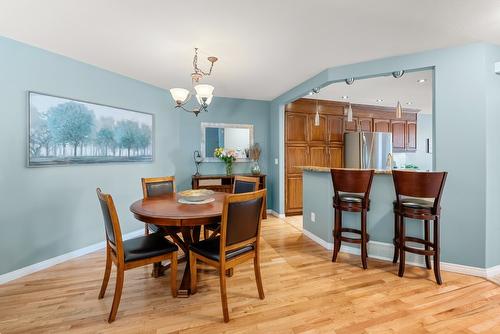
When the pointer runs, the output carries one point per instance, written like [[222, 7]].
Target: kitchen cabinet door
[[411, 136], [398, 129], [366, 124], [296, 156], [335, 129], [351, 126], [293, 195], [382, 125], [296, 128], [335, 156], [318, 133], [318, 156]]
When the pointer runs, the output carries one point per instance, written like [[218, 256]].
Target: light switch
[[313, 217], [276, 162]]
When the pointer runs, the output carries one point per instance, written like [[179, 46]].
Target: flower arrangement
[[228, 157]]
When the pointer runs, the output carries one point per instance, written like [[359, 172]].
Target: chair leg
[[336, 234], [437, 271], [173, 274], [364, 251], [396, 238], [205, 234], [120, 275], [192, 270], [107, 273], [401, 246], [223, 295], [258, 277], [146, 229], [427, 238]]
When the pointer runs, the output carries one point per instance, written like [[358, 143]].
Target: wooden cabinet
[[296, 156], [335, 156], [318, 156], [411, 136], [318, 133], [351, 126], [335, 129], [293, 195], [296, 128], [398, 129], [382, 125], [365, 124]]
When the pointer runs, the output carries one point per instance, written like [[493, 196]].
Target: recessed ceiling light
[[379, 100], [345, 97], [421, 80], [409, 103]]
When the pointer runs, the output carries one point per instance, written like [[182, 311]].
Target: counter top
[[327, 170]]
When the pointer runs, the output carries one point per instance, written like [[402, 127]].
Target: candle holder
[[198, 159]]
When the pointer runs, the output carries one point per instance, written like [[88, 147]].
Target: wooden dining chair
[[154, 187], [241, 185], [239, 241], [131, 253]]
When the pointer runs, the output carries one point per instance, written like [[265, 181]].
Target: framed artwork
[[64, 131]]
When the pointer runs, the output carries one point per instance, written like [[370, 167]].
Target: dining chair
[[238, 242], [154, 187], [241, 185], [132, 253]]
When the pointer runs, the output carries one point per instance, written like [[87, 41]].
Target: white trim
[[61, 258], [384, 251], [274, 213]]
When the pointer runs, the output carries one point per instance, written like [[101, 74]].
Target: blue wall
[[46, 212], [460, 118]]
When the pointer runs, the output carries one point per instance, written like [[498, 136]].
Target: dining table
[[182, 222]]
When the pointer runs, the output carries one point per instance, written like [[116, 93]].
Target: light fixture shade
[[204, 91], [349, 113], [316, 119], [207, 102], [399, 110], [180, 95]]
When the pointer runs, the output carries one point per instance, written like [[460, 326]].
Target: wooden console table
[[224, 183]]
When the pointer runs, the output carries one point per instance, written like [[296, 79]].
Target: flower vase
[[255, 169], [229, 168]]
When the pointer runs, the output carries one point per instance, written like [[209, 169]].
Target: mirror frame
[[205, 125]]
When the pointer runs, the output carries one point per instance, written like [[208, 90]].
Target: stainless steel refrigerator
[[368, 150]]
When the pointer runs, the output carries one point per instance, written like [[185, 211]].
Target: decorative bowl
[[195, 195]]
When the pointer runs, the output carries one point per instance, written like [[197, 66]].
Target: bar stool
[[352, 193], [418, 196]]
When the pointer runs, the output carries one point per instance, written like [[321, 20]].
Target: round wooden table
[[174, 217]]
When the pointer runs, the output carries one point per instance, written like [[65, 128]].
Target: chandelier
[[204, 92]]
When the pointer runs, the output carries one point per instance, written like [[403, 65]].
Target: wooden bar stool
[[352, 193], [418, 196]]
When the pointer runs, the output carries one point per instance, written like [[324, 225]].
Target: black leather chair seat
[[212, 227], [416, 203], [147, 246], [351, 198], [210, 248]]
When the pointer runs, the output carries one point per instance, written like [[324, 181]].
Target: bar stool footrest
[[352, 240]]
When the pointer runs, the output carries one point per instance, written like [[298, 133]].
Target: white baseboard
[[275, 214], [61, 258], [384, 251]]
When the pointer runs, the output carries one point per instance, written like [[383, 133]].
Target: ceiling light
[[379, 100], [399, 110], [421, 80], [348, 111], [398, 74], [204, 93], [349, 81], [345, 97], [409, 103]]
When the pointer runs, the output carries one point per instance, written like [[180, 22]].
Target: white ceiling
[[265, 46], [406, 89]]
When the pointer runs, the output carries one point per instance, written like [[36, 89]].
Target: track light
[[398, 74], [349, 81]]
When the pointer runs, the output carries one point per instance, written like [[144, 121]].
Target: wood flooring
[[305, 293]]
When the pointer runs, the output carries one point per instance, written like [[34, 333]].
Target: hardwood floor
[[305, 293]]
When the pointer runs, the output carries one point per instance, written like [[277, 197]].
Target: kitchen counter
[[327, 170]]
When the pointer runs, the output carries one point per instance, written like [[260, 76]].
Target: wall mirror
[[237, 137]]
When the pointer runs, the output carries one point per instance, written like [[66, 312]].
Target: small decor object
[[204, 93], [198, 159], [65, 131], [254, 153], [228, 157], [195, 195]]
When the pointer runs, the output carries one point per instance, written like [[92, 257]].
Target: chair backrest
[[158, 186], [245, 184], [357, 181], [111, 222], [241, 219], [419, 184]]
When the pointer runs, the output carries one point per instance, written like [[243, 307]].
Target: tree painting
[[64, 131]]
